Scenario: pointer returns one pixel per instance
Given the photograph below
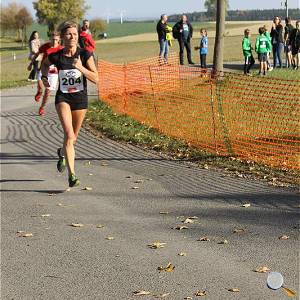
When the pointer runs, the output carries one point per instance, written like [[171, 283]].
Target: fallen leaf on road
[[182, 254], [223, 242], [141, 293], [289, 292], [180, 217], [100, 226], [188, 221], [110, 238], [179, 227], [262, 269], [87, 188], [234, 290], [25, 234], [201, 293], [77, 225], [204, 239], [156, 245], [246, 205], [205, 167], [168, 268], [164, 295], [45, 215], [239, 230], [284, 237]]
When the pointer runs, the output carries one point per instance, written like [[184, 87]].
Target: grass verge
[[102, 121]]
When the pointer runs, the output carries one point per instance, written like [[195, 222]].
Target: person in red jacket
[[85, 40], [45, 50]]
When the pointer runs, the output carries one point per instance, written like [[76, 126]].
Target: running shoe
[[41, 111], [61, 164], [73, 180], [38, 96]]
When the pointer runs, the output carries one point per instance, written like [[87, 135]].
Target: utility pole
[[286, 5]]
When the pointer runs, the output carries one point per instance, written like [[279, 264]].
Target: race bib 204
[[70, 81]]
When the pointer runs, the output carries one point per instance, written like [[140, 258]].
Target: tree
[[23, 19], [211, 7], [220, 34], [52, 12], [15, 17], [96, 26]]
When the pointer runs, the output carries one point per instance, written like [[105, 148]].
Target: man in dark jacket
[[183, 32], [162, 30]]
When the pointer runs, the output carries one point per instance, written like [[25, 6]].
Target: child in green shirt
[[262, 47], [267, 34], [247, 51]]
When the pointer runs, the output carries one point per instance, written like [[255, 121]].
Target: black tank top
[[72, 83]]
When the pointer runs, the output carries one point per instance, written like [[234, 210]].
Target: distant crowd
[[280, 39]]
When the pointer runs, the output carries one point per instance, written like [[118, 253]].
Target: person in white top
[[34, 45]]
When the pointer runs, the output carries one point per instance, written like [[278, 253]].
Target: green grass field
[[132, 28], [120, 52]]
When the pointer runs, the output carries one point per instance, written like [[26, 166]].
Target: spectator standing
[[295, 43], [183, 32], [85, 40], [288, 47], [34, 45], [267, 34], [247, 51], [203, 48], [277, 41], [162, 29], [262, 47]]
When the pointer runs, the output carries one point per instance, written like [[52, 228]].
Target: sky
[[134, 9]]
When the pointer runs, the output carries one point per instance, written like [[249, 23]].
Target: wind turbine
[[107, 16], [122, 13]]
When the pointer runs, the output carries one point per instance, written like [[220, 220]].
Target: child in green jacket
[[247, 51], [262, 47], [267, 34]]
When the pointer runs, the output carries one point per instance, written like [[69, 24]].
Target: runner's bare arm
[[90, 72], [44, 69]]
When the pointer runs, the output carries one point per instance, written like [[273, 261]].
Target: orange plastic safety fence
[[230, 114]]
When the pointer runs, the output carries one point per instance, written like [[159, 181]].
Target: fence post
[[225, 130], [213, 113], [153, 95], [125, 99]]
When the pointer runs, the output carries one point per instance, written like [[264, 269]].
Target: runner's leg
[[65, 116], [77, 119]]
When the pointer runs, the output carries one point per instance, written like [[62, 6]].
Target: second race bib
[[70, 81]]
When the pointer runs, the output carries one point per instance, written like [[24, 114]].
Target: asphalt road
[[64, 262]]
